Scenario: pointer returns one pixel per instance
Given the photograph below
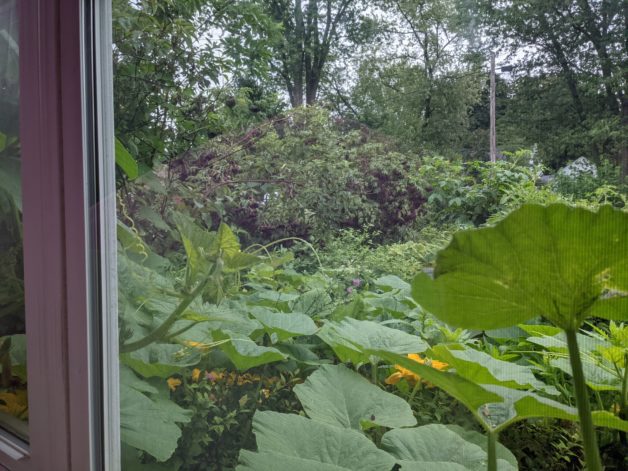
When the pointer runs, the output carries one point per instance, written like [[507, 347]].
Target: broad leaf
[[287, 442], [559, 262], [472, 395], [160, 360], [353, 340], [521, 405], [481, 368], [496, 406], [226, 242], [284, 325], [198, 245], [443, 448], [149, 423], [244, 353], [125, 161], [392, 282], [338, 396]]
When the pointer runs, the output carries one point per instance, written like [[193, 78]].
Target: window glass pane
[[288, 173], [13, 401]]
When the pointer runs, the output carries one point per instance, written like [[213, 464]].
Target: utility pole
[[493, 131]]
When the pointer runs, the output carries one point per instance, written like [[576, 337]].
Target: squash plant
[[497, 393], [174, 311], [342, 406], [562, 263]]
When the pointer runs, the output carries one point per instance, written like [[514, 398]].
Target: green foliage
[[337, 396], [167, 65], [569, 264], [148, 419], [443, 447], [306, 175], [356, 341], [287, 442], [222, 404], [329, 439]]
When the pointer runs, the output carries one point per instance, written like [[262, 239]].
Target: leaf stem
[[415, 390], [591, 451], [492, 451], [161, 331], [623, 401]]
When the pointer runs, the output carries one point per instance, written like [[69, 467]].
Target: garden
[[324, 265], [319, 268]]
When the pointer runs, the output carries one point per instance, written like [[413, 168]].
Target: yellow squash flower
[[200, 346], [196, 374], [173, 383], [411, 377]]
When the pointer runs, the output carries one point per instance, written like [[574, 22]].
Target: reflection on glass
[[13, 399]]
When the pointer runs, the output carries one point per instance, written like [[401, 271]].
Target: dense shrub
[[308, 175]]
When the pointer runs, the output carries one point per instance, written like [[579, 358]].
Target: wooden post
[[493, 132]]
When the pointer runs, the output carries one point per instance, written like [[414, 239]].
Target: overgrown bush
[[305, 174]]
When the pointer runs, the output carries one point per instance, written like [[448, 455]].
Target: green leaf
[[559, 262], [481, 368], [443, 447], [338, 396], [225, 242], [284, 325], [287, 442], [160, 360], [244, 353], [240, 261], [353, 340], [125, 161], [149, 423], [198, 244], [521, 405], [599, 373], [392, 282], [472, 395], [312, 303]]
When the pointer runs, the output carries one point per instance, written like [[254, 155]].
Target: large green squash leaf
[[600, 374], [244, 353], [354, 340], [495, 405], [438, 447], [481, 368], [148, 421], [288, 442], [160, 360], [559, 262], [335, 395], [283, 324], [472, 395]]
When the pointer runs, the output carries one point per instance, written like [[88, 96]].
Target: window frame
[[68, 266]]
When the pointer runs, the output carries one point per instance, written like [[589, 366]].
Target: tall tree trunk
[[593, 33], [298, 57], [563, 62]]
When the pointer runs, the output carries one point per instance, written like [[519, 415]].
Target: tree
[[424, 79], [170, 61], [310, 30], [582, 41]]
